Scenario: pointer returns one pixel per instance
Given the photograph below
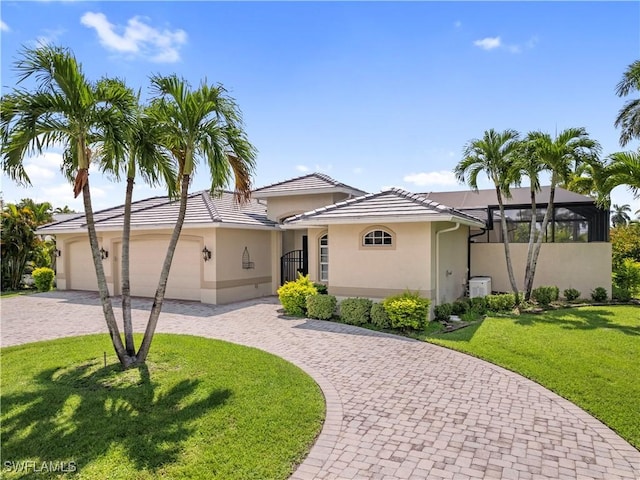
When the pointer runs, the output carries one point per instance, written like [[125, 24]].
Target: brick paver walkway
[[396, 408]]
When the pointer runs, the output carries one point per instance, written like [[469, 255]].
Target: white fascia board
[[307, 191], [382, 220]]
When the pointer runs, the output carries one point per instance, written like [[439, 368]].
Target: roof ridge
[[211, 208]]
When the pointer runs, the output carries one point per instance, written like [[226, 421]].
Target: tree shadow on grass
[[81, 413], [576, 319]]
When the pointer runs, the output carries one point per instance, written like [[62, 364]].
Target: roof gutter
[[446, 230]]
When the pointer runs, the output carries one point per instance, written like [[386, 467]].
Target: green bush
[[355, 311], [442, 312], [321, 288], [43, 278], [620, 294], [321, 307], [407, 311], [599, 294], [379, 317], [627, 276], [461, 306], [293, 295], [502, 302], [479, 305], [571, 294], [544, 295]]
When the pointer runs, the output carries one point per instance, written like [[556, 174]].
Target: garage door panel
[[147, 257], [82, 272]]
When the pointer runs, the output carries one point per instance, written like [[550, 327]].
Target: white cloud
[[138, 38], [442, 177], [4, 27], [491, 43], [302, 168], [43, 167], [488, 43], [49, 36]]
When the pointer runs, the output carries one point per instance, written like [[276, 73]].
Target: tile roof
[[389, 205], [202, 208], [306, 184], [468, 199]]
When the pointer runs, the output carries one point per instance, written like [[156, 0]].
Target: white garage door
[[146, 257], [82, 272]]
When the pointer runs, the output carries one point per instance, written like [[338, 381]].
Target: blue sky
[[375, 94]]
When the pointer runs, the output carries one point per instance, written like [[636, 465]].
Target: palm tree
[[560, 156], [620, 214], [65, 108], [592, 178], [41, 211], [495, 155], [64, 209], [202, 124], [146, 157], [624, 169], [629, 116], [17, 242]]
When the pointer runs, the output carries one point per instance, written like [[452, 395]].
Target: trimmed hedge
[[544, 295], [355, 311], [407, 311], [321, 306], [479, 305], [599, 294], [43, 278], [293, 295], [379, 317], [502, 302], [442, 312], [571, 294]]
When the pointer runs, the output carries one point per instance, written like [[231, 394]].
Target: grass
[[589, 355], [16, 293], [201, 409]]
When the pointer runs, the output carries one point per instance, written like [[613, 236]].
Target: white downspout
[[446, 230]]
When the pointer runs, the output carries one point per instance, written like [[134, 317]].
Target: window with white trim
[[324, 258], [377, 238]]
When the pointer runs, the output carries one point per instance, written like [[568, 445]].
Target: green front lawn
[[202, 409], [589, 355]]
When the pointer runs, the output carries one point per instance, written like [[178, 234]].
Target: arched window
[[377, 238], [324, 258]]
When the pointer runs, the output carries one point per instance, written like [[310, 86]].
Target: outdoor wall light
[[58, 253], [206, 254], [104, 253]]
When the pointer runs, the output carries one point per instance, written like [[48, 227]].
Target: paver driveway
[[396, 408]]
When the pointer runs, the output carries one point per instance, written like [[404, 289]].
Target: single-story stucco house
[[357, 243]]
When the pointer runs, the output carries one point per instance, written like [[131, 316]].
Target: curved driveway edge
[[396, 408]]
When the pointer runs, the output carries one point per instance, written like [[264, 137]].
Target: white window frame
[[377, 234], [323, 252]]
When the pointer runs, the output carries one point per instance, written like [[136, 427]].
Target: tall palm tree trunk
[[530, 247], [505, 242], [536, 251], [105, 299], [164, 274], [126, 283]]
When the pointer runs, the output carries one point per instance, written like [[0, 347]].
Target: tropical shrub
[[43, 278], [355, 311], [293, 295], [443, 311], [599, 294], [620, 294], [407, 311], [479, 305], [321, 307], [321, 288], [461, 306], [571, 294], [626, 277], [544, 295], [502, 302], [379, 316]]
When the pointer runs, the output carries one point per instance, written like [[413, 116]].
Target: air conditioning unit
[[479, 287]]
